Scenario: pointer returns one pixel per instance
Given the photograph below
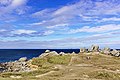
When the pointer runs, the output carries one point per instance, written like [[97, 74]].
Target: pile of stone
[[16, 66], [106, 50], [93, 48]]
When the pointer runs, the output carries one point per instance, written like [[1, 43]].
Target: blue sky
[[31, 24]]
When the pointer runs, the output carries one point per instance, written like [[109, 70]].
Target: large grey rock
[[61, 53], [2, 67], [115, 53], [52, 53], [82, 50], [47, 51], [94, 48], [23, 59]]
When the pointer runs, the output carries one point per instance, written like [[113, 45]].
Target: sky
[[59, 24]]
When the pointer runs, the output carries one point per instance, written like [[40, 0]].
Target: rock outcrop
[[48, 53], [24, 65], [23, 59], [94, 48], [106, 50], [16, 66], [61, 53], [115, 53]]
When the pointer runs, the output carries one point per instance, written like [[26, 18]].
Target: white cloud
[[8, 6], [104, 28], [84, 10], [2, 30], [48, 32], [37, 24], [57, 25], [5, 2], [46, 13], [109, 19], [22, 31], [17, 3]]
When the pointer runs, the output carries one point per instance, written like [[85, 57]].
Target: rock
[[106, 50], [61, 53], [17, 66], [23, 59], [94, 48], [115, 53], [82, 50], [73, 53], [88, 58], [47, 51], [2, 67], [52, 53]]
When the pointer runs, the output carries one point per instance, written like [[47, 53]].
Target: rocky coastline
[[25, 65]]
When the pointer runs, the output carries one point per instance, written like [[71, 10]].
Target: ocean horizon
[[7, 55]]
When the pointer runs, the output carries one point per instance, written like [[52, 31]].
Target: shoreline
[[53, 61]]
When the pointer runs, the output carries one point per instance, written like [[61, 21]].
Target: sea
[[7, 55]]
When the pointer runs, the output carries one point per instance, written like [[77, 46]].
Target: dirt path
[[45, 74]]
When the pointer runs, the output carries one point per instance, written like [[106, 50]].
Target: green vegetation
[[59, 59], [39, 61], [105, 75], [8, 74], [46, 62]]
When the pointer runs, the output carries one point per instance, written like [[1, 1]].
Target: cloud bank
[[72, 25]]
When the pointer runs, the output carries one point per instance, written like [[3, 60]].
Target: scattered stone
[[16, 66]]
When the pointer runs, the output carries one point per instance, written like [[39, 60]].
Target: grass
[[60, 59], [39, 61], [104, 75]]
